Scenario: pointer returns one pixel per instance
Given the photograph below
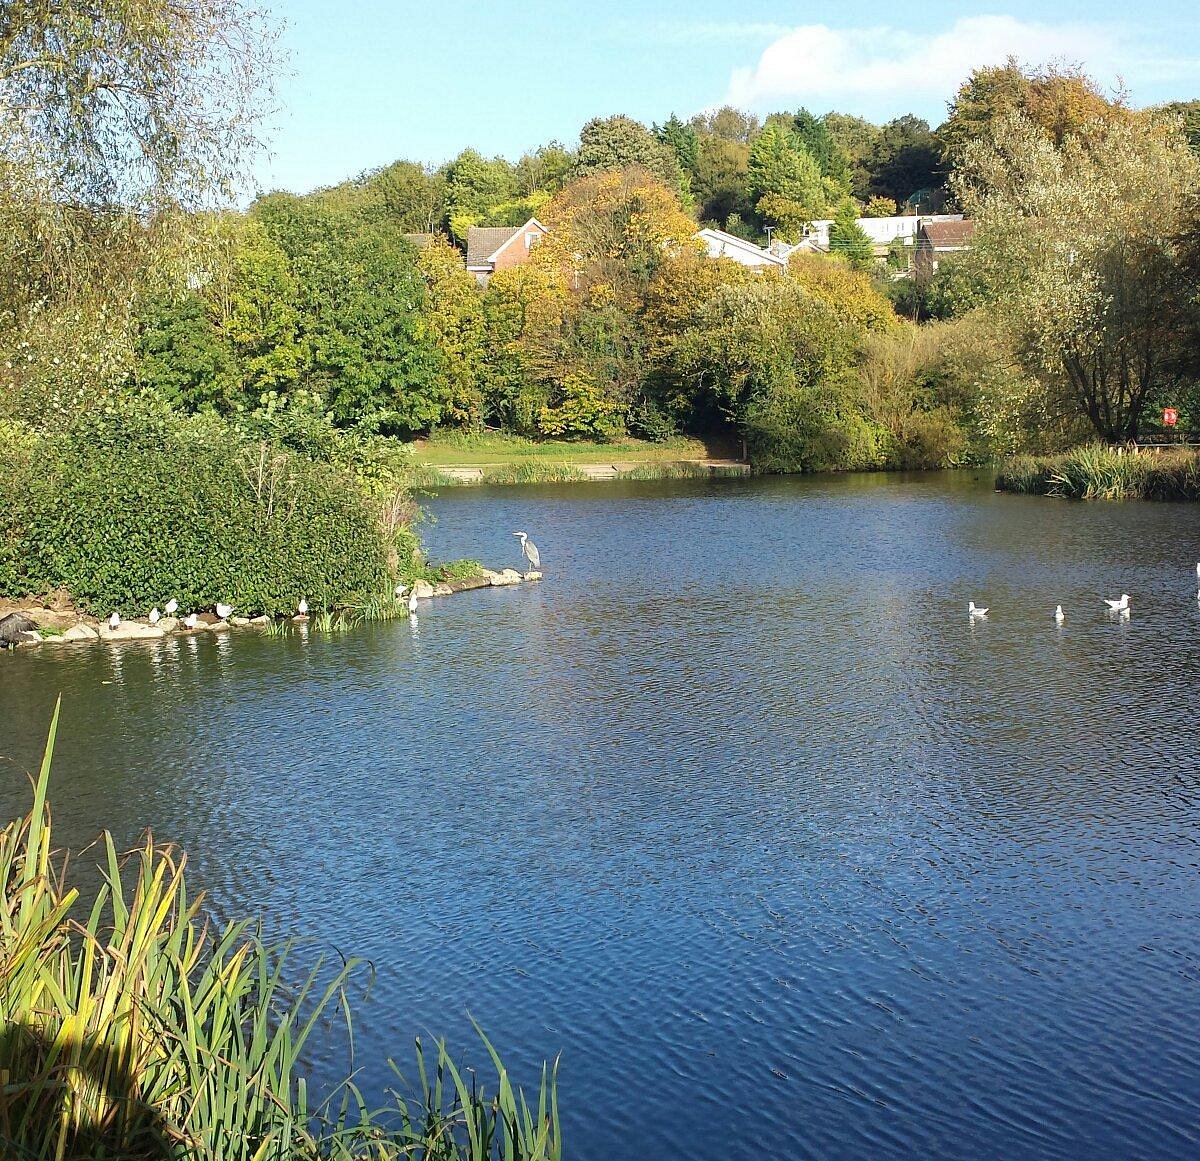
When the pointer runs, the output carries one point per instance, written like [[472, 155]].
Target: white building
[[882, 231], [719, 244]]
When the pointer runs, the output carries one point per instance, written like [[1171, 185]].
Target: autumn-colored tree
[[1059, 100]]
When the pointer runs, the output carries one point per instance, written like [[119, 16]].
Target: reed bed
[[1098, 472], [134, 1030]]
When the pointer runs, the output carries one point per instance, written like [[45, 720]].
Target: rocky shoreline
[[59, 623]]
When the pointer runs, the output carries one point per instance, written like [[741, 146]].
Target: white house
[[882, 231], [719, 244]]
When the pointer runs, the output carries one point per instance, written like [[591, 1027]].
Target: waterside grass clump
[[1098, 472], [134, 1029]]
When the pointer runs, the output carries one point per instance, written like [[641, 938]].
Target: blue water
[[736, 811]]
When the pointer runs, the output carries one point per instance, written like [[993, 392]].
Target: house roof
[[723, 242], [948, 235], [484, 243]]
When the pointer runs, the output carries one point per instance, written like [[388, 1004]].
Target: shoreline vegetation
[[1097, 472], [136, 1028]]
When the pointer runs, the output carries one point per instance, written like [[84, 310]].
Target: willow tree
[[1078, 245], [116, 117]]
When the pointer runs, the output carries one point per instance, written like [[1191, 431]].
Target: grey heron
[[529, 549]]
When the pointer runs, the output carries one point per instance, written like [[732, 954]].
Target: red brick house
[[937, 239], [492, 248]]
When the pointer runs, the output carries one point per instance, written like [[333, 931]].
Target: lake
[[737, 810]]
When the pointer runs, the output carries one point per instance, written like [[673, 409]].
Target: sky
[[372, 81]]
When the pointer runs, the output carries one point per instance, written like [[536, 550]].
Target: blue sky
[[371, 81]]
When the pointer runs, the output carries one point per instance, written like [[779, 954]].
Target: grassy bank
[[547, 472], [132, 1029], [1104, 473], [496, 449]]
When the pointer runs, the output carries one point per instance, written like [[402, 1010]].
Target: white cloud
[[817, 63]]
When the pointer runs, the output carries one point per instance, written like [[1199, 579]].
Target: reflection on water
[[737, 809]]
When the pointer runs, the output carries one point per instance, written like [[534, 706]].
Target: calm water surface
[[736, 810]]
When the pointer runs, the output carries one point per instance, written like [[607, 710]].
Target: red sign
[[1170, 417]]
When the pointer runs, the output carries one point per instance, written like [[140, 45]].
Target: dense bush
[[125, 511], [1096, 472]]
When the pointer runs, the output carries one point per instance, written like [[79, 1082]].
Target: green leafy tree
[[814, 134], [780, 167], [607, 143], [728, 124], [720, 179], [1078, 249], [905, 159], [473, 184], [683, 141], [858, 140], [547, 169], [848, 239]]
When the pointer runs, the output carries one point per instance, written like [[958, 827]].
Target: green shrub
[[126, 511], [1098, 472]]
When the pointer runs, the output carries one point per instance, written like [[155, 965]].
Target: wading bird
[[530, 550], [172, 607], [1119, 606], [1059, 615], [974, 610], [412, 601], [155, 616], [223, 611]]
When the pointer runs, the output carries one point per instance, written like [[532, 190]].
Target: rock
[[533, 575], [301, 618], [443, 590], [423, 590], [507, 576], [239, 622], [79, 633], [14, 626], [29, 639], [131, 631], [482, 581], [260, 620], [169, 624], [217, 626]]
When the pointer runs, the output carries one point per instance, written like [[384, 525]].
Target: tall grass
[[135, 1031], [1097, 472]]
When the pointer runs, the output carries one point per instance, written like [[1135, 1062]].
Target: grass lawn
[[494, 448]]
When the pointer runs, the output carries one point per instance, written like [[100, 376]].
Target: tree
[[1059, 100], [813, 133], [848, 239], [473, 185], [1185, 114], [780, 166], [608, 143], [682, 140], [414, 196], [137, 102], [453, 313], [1079, 249], [727, 123], [719, 180], [857, 139], [878, 207], [905, 160], [547, 168]]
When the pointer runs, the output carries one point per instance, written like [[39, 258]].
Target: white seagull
[[302, 607], [975, 611], [530, 550], [172, 607], [412, 601], [155, 616], [223, 611], [114, 622], [400, 591], [1059, 615], [190, 621], [1118, 606]]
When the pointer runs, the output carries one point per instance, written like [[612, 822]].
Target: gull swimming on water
[[974, 610], [1059, 615], [1118, 606]]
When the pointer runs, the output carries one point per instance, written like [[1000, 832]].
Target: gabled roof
[[948, 235], [484, 243], [722, 243]]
